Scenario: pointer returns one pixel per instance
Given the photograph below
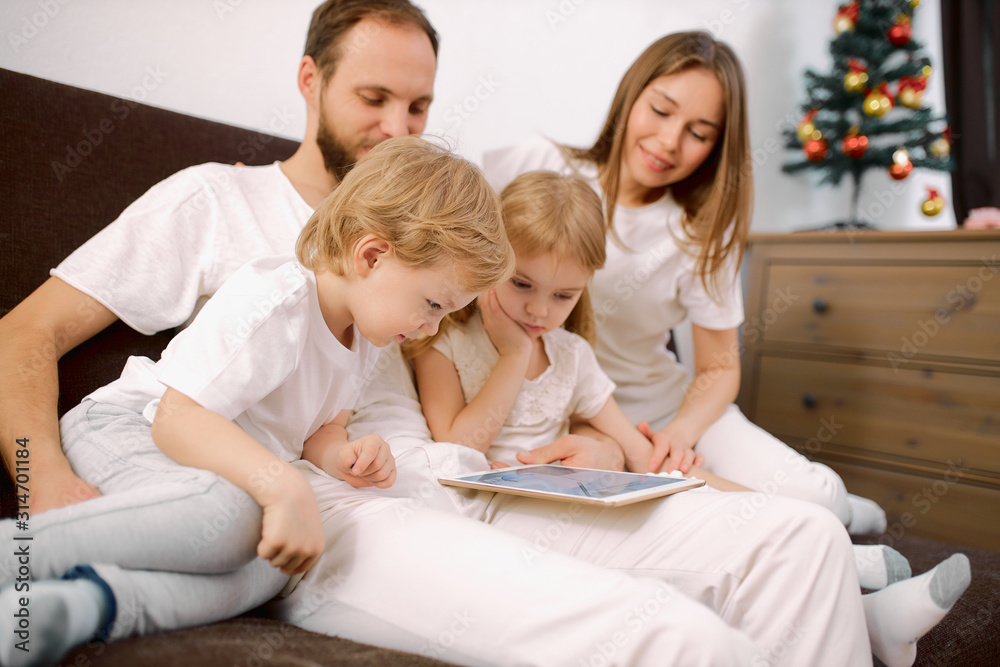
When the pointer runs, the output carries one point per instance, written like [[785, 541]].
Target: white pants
[[739, 450], [699, 578]]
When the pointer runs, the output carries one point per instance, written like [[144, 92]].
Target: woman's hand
[[292, 532], [508, 337], [671, 451]]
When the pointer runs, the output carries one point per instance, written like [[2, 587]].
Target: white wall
[[507, 69]]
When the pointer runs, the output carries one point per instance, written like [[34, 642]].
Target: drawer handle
[[809, 400], [820, 305]]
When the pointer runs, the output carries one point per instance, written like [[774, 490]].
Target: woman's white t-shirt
[[642, 292]]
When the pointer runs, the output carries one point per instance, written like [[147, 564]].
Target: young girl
[[672, 164], [203, 507], [509, 375]]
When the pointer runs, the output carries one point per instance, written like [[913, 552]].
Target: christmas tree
[[868, 112]]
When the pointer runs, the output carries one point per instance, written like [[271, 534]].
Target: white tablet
[[579, 485]]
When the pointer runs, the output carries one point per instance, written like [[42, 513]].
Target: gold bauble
[[877, 104], [908, 97], [940, 147], [842, 24], [805, 131], [854, 82], [931, 207]]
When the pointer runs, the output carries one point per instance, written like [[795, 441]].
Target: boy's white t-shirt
[[573, 384], [173, 247], [260, 354], [641, 293]]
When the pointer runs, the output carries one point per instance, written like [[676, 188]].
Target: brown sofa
[[70, 161]]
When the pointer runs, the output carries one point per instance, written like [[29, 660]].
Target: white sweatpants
[[739, 450], [699, 578]]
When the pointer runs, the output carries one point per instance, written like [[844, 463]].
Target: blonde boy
[[205, 438]]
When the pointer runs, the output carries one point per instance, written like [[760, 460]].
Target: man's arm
[[53, 320]]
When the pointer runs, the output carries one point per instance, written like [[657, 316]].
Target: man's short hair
[[334, 18]]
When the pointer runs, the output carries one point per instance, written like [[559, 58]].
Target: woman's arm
[[613, 422], [714, 387], [292, 535]]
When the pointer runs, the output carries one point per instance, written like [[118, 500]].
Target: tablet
[[579, 485]]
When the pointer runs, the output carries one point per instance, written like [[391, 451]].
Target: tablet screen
[[574, 483]]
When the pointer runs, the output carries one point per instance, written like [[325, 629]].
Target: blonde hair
[[545, 212], [717, 198], [431, 206]]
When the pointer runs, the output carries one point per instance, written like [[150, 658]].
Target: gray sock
[[951, 578]]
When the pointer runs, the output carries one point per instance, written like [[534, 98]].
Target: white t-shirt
[[641, 293], [260, 354], [573, 384], [173, 247]]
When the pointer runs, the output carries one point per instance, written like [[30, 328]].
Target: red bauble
[[815, 149], [901, 32], [899, 171], [854, 145]]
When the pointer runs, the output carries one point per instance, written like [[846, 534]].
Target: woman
[[672, 164]]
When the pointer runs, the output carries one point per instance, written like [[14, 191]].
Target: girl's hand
[[366, 461], [508, 337], [292, 533], [670, 452]]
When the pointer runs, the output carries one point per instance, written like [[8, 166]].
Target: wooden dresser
[[878, 354]]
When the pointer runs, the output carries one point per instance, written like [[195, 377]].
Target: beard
[[337, 158]]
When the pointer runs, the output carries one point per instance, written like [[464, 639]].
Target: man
[[407, 574], [367, 75]]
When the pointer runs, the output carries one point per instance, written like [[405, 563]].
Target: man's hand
[[58, 487], [580, 451], [670, 453], [366, 461]]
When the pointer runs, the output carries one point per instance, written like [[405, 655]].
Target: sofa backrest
[[70, 161]]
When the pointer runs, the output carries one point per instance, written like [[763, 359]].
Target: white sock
[[879, 565], [867, 518], [900, 614], [61, 615]]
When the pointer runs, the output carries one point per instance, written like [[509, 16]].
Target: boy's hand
[[292, 533], [366, 461], [509, 337]]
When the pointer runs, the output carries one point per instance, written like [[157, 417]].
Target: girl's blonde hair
[[545, 212], [431, 206], [717, 198]]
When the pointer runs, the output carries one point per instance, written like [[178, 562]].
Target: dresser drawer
[[900, 309], [922, 418], [938, 507]]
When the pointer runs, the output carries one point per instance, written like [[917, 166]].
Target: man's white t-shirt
[[260, 354], [573, 384], [641, 293], [173, 247]]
